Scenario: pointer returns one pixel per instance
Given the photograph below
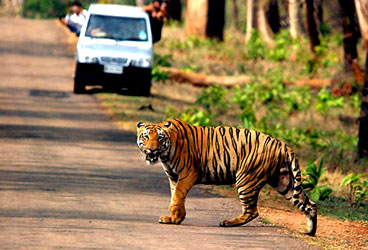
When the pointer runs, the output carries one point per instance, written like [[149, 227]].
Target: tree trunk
[[205, 18], [294, 18], [175, 10], [11, 7], [312, 25], [234, 14], [363, 125], [196, 18], [252, 6], [140, 3], [319, 10], [263, 26], [273, 16], [362, 13], [216, 19], [350, 34]]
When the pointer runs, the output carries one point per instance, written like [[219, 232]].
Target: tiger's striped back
[[222, 153]]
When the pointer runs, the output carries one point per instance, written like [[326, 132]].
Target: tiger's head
[[153, 140]]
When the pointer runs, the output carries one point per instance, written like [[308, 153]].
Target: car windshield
[[117, 28]]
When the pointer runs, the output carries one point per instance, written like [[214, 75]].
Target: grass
[[127, 110], [234, 57], [339, 208]]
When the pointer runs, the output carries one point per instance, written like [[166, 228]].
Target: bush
[[197, 117], [358, 189], [256, 47], [213, 99], [310, 184], [57, 8], [325, 101], [159, 75], [282, 47], [162, 60], [44, 8]]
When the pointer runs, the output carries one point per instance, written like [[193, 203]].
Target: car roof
[[116, 10]]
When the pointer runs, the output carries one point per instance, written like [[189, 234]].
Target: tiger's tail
[[300, 199]]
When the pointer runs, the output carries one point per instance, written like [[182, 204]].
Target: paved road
[[70, 179]]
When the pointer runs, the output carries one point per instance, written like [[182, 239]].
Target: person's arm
[[85, 13], [67, 19], [67, 16], [164, 10], [148, 8]]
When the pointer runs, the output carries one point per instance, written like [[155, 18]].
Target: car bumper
[[93, 74]]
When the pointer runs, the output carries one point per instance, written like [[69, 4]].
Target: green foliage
[[310, 184], [323, 57], [358, 189], [355, 101], [324, 28], [213, 99], [279, 102], [193, 42], [314, 174], [197, 117], [338, 208], [325, 101], [323, 47], [162, 60], [44, 8], [281, 51], [244, 98], [159, 75], [321, 193], [56, 8], [256, 47], [297, 99], [213, 102]]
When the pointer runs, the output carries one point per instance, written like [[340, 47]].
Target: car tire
[[79, 86], [145, 84], [146, 89]]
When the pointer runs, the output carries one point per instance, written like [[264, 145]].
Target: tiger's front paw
[[238, 221], [177, 213], [226, 223], [165, 220]]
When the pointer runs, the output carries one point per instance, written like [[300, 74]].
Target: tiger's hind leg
[[290, 187], [248, 192]]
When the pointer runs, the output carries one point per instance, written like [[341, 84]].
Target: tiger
[[223, 155]]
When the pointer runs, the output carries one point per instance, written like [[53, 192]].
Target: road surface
[[70, 179]]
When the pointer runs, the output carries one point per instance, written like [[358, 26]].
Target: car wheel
[[145, 84], [146, 89], [79, 86]]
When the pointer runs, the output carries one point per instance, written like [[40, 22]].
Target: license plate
[[113, 69]]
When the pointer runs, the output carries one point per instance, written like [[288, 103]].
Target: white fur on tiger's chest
[[170, 172]]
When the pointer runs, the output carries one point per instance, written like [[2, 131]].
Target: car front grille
[[114, 60]]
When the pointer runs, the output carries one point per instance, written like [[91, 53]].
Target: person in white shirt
[[75, 18]]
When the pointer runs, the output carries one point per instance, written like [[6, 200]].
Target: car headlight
[[143, 63], [88, 59]]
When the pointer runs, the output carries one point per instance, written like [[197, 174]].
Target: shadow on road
[[62, 134], [32, 48], [146, 179], [74, 214]]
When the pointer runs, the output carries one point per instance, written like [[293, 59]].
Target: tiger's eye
[[160, 137]]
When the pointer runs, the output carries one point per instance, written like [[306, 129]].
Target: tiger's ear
[[168, 124], [140, 124]]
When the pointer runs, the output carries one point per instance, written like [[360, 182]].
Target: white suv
[[115, 49]]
